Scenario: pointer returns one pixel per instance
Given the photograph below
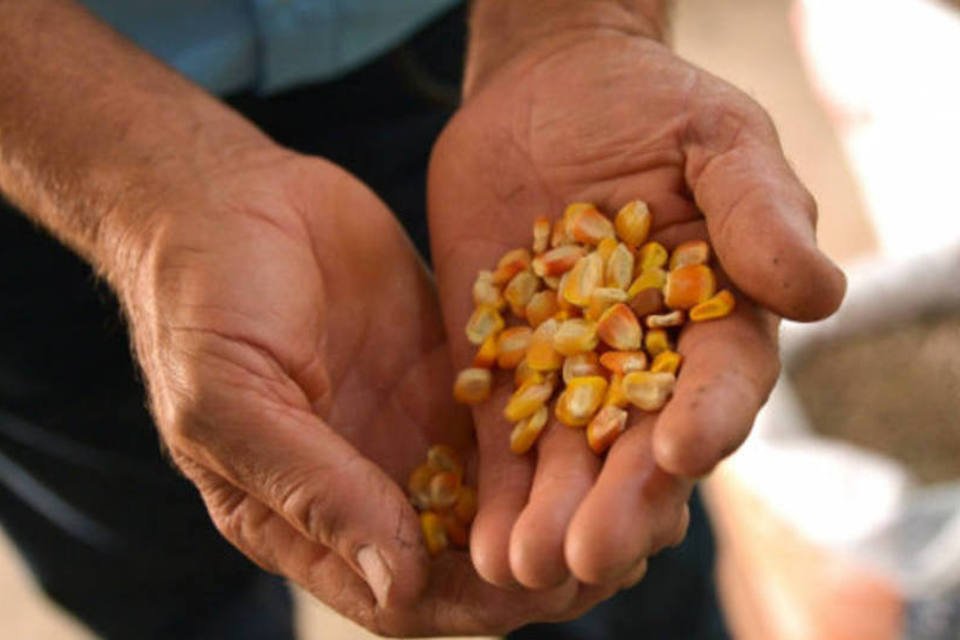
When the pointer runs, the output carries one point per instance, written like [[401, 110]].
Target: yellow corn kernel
[[666, 362], [523, 373], [526, 400], [656, 342], [472, 385], [512, 263], [558, 261], [465, 508], [457, 534], [512, 345], [442, 457], [519, 291], [526, 432], [558, 235], [580, 400], [578, 284], [434, 533], [624, 362], [720, 305], [581, 365], [486, 355], [575, 336], [487, 293], [652, 278], [615, 395], [652, 255], [542, 306], [541, 234], [552, 282], [541, 354], [633, 223], [619, 328], [648, 391], [606, 427], [602, 299], [418, 486], [486, 321], [606, 247], [688, 286], [444, 488], [647, 301], [619, 271], [690, 252], [664, 320], [586, 224]]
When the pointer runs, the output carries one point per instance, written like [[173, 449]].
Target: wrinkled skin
[[604, 116]]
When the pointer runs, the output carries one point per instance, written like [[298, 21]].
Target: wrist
[[503, 30]]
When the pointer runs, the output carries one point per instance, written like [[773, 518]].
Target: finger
[[760, 217], [729, 368], [565, 471], [633, 510]]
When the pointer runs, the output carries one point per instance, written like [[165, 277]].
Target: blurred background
[[838, 519]]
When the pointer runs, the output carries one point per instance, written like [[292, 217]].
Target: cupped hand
[[603, 116], [297, 367]]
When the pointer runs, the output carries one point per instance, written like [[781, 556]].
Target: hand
[[607, 116], [298, 371]]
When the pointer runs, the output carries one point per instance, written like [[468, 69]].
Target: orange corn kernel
[[581, 365], [619, 328], [720, 305], [512, 263], [558, 261], [656, 342], [606, 427], [485, 322], [648, 391], [472, 385], [444, 488], [487, 293], [465, 508], [606, 248], [664, 320], [602, 299], [552, 282], [690, 252], [512, 345], [633, 223], [619, 267], [523, 373], [688, 286], [652, 278], [457, 533], [624, 362], [646, 302], [615, 395], [434, 533], [578, 283], [542, 306], [418, 486], [526, 432], [519, 291], [486, 355], [652, 255], [541, 234], [575, 336], [541, 354], [442, 457], [558, 235], [580, 400], [526, 400], [666, 362], [587, 225]]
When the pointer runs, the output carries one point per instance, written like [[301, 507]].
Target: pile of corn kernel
[[446, 505], [593, 311]]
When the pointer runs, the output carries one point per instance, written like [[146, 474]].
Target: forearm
[[500, 29], [90, 124]]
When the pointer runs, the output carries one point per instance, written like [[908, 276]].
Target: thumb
[[760, 217]]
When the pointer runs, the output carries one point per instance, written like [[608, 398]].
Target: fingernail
[[376, 573]]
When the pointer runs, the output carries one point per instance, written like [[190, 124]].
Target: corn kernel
[[541, 354], [652, 278], [606, 427], [442, 457], [580, 400], [557, 261], [720, 305], [602, 299], [552, 282], [472, 385], [652, 255], [519, 291], [487, 293], [457, 534], [619, 328], [615, 395], [666, 362], [512, 263], [648, 391], [542, 306], [541, 234], [624, 362], [486, 321], [486, 355], [523, 373], [512, 345], [664, 320], [558, 235], [619, 271], [575, 336], [434, 533], [526, 400], [418, 486], [690, 252], [526, 432], [646, 302], [633, 223], [465, 507], [688, 286], [656, 342], [578, 283], [606, 248], [587, 225], [444, 488], [581, 365]]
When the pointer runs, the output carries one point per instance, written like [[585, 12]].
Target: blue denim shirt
[[266, 45]]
